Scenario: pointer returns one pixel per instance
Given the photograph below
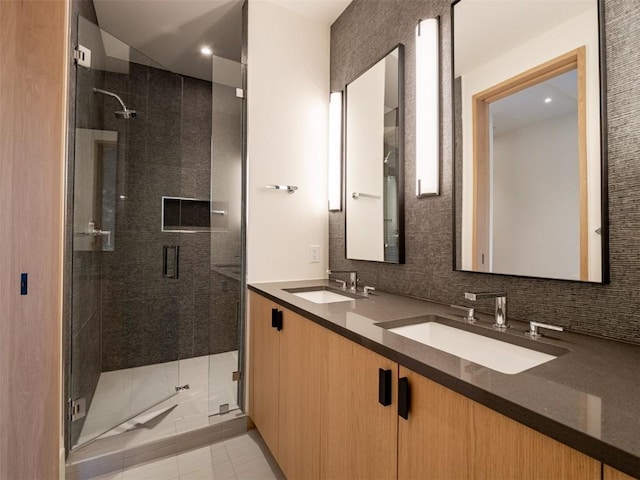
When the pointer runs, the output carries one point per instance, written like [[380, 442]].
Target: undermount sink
[[504, 357], [321, 294]]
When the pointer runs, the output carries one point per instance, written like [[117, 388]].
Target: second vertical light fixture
[[427, 108], [335, 151]]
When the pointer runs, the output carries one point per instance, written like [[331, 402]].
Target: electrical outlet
[[314, 253]]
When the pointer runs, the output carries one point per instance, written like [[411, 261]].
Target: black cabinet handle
[[384, 387], [276, 319], [404, 394]]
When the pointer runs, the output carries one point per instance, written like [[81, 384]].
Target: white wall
[[287, 136], [579, 31], [536, 200]]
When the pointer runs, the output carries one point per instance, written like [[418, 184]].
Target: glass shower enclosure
[[156, 252]]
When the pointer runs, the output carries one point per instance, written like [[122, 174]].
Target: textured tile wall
[[225, 299], [149, 318], [366, 31]]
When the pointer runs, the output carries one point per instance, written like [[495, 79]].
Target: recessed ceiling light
[[547, 100], [206, 51]]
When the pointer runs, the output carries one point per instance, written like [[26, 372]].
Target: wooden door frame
[[573, 60]]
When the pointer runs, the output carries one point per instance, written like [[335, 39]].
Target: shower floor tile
[[120, 394]]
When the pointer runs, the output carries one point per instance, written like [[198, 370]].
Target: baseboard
[[250, 424], [61, 464]]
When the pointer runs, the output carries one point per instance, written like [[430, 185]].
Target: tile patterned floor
[[123, 393], [244, 457]]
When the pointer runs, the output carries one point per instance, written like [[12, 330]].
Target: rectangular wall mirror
[[374, 162], [530, 147]]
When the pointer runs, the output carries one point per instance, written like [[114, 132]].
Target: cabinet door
[[505, 448], [435, 440], [449, 436], [609, 473], [264, 366], [359, 435], [303, 347]]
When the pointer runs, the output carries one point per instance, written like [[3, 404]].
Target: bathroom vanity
[[336, 393]]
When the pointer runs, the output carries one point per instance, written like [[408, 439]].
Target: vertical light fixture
[[427, 108], [335, 151]]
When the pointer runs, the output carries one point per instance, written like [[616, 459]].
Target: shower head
[[125, 112]]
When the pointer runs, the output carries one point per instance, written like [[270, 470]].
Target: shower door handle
[[170, 261]]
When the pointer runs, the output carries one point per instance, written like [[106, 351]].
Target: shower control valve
[[96, 232]]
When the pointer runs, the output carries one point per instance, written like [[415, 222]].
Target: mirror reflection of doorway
[[530, 172]]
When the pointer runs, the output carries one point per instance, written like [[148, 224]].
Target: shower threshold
[[188, 418]]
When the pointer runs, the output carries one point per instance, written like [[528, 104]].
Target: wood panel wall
[[33, 40]]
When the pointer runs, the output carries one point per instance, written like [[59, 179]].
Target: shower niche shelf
[[189, 215]]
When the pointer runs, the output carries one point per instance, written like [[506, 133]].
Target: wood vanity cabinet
[[287, 375], [327, 408], [448, 435]]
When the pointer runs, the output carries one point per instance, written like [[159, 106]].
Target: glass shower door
[[227, 276], [130, 293]]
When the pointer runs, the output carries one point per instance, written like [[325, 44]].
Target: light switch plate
[[314, 253]]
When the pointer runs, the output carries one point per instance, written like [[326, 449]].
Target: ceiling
[[486, 29], [528, 106], [172, 32]]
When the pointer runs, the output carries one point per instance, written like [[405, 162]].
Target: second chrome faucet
[[501, 322], [353, 278]]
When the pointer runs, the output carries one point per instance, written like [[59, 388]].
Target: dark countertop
[[587, 398]]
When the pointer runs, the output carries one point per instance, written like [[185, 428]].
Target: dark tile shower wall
[[84, 270], [225, 302], [365, 32], [148, 318]]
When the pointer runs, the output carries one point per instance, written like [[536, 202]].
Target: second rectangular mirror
[[529, 132], [374, 162]]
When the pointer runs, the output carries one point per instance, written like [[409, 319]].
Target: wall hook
[[288, 188]]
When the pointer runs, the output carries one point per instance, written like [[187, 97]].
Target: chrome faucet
[[367, 290], [534, 326], [501, 322], [353, 278], [343, 284], [470, 316]]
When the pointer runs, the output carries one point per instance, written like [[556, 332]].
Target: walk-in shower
[[125, 112], [143, 336]]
